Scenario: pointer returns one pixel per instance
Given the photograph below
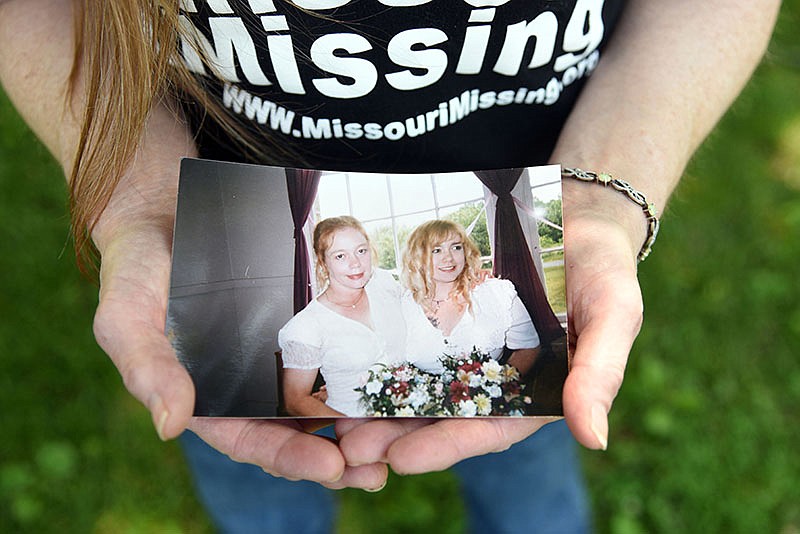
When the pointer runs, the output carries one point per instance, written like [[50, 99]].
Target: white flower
[[418, 397], [406, 411], [483, 403], [374, 387], [467, 408], [494, 391], [475, 380], [492, 370]]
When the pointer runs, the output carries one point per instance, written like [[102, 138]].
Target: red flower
[[400, 388], [470, 367], [458, 391]]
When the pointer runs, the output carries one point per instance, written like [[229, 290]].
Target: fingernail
[[376, 490], [600, 425], [162, 422], [160, 415]]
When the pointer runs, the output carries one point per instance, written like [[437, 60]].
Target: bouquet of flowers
[[402, 390], [477, 384], [471, 384]]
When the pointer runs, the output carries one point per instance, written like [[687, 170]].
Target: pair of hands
[[605, 315]]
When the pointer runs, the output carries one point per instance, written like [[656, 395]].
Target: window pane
[[332, 196], [370, 196], [411, 193], [545, 182], [548, 192], [407, 224], [381, 237], [457, 187], [466, 215]]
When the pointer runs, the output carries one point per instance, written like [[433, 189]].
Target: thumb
[[129, 327], [607, 317]]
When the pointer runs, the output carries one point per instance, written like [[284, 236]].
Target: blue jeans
[[536, 485]]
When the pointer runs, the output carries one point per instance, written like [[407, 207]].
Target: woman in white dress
[[449, 310], [352, 324]]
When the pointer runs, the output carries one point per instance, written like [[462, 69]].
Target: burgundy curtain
[[512, 258], [302, 186]]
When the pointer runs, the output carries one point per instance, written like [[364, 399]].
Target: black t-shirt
[[398, 85]]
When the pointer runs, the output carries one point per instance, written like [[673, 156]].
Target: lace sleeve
[[298, 355]]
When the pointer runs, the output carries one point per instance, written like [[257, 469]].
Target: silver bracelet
[[649, 209]]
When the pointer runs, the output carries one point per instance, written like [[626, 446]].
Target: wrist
[[606, 180], [123, 220], [145, 196], [602, 213]]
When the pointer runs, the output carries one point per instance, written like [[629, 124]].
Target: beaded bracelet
[[649, 209]]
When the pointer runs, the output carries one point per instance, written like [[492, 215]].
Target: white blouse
[[498, 319], [343, 349]]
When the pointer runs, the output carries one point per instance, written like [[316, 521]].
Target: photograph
[[300, 293], [582, 218]]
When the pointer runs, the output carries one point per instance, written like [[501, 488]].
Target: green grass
[[78, 453], [556, 290], [704, 434]]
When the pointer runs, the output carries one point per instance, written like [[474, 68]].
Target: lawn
[[556, 290], [704, 434]]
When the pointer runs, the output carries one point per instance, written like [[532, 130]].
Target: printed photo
[[304, 293]]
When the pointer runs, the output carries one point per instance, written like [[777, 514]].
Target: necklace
[[437, 303], [351, 306], [433, 315]]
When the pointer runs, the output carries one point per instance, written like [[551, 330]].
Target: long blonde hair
[[418, 261], [127, 56]]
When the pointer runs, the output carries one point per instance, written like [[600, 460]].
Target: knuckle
[[242, 449], [502, 439]]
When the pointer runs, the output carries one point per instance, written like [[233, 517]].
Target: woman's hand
[[604, 304], [134, 237], [129, 326], [605, 315]]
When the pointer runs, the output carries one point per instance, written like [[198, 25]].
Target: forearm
[[36, 55], [668, 75], [523, 359], [36, 44], [308, 406]]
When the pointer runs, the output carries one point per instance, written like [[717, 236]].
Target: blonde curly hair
[[417, 271]]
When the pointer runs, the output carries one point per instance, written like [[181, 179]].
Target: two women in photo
[[363, 317]]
